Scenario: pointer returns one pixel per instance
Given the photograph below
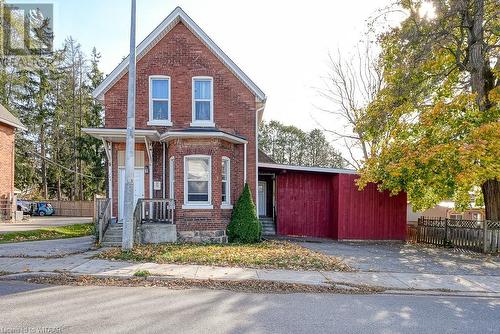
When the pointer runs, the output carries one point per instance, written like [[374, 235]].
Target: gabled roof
[[178, 15], [7, 118]]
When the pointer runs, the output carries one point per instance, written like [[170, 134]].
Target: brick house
[[8, 125], [196, 127], [197, 116]]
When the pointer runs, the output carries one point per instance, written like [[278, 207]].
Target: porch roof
[[306, 169], [120, 135], [203, 133], [142, 135]]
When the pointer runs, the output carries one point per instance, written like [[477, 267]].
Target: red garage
[[326, 203]]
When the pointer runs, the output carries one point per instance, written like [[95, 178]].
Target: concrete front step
[[268, 227], [112, 239], [111, 243], [113, 233], [113, 236]]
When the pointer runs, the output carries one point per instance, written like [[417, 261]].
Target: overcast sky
[[282, 45]]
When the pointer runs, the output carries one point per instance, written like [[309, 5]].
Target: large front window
[[197, 180], [159, 100], [202, 101]]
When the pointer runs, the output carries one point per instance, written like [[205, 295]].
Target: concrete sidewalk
[[83, 264]]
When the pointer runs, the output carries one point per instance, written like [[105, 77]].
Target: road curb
[[343, 288]]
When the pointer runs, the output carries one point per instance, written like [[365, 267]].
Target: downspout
[[257, 158], [110, 177], [244, 163]]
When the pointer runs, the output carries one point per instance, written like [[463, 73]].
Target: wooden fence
[[5, 209], [480, 236], [73, 208]]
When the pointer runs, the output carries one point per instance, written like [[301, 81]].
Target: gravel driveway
[[407, 258]]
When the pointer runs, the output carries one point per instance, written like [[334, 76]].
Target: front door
[[138, 189], [262, 198]]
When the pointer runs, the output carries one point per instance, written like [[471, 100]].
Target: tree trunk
[[482, 82], [491, 194]]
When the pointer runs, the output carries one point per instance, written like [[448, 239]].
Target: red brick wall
[[181, 56], [7, 134], [217, 218]]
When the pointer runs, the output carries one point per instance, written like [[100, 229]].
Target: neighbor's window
[[197, 186], [159, 99], [225, 181], [202, 101]]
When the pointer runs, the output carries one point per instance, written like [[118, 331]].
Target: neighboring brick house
[[196, 114], [197, 117], [8, 125]]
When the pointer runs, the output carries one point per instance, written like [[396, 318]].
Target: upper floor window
[[159, 100], [197, 181], [203, 102]]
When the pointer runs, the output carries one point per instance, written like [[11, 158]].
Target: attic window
[[159, 100]]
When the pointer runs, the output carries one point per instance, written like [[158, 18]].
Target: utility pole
[[128, 224]]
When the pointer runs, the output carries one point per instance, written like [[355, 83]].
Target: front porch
[[153, 222], [185, 183]]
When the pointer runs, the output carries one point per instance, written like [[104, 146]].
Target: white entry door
[[262, 198], [138, 189]]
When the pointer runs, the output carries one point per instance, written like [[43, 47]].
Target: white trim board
[[169, 135], [176, 16], [307, 169]]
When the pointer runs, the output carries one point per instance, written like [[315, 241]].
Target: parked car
[[42, 209], [24, 206]]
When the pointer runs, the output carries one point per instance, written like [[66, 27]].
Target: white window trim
[[194, 122], [167, 122], [227, 203], [198, 205]]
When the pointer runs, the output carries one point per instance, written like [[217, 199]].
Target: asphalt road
[[30, 308]]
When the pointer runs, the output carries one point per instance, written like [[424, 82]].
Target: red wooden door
[[304, 204]]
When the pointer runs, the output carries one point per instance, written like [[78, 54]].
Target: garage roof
[[307, 169]]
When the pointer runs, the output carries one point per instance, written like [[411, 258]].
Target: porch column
[[108, 148], [149, 150]]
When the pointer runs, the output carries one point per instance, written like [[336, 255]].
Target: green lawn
[[59, 232], [268, 254]]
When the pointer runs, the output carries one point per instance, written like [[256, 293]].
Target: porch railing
[[103, 216], [155, 211], [481, 236], [152, 211]]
